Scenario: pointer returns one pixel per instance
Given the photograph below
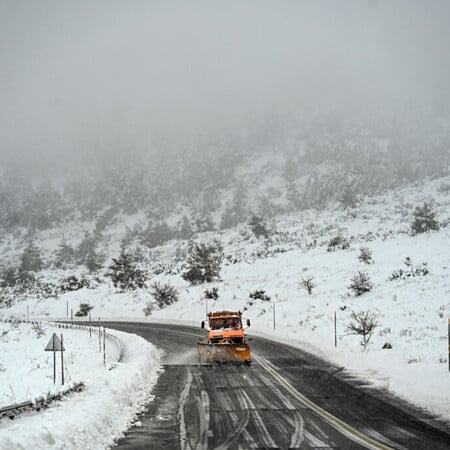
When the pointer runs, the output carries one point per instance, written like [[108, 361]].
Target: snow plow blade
[[224, 353]]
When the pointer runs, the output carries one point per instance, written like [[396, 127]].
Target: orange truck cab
[[226, 338]]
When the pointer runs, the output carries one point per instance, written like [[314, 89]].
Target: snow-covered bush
[[212, 294], [424, 219], [73, 283], [259, 294], [338, 242], [363, 324], [84, 310], [47, 290], [365, 255], [410, 272], [361, 283], [164, 294], [166, 268]]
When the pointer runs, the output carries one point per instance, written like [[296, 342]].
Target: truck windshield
[[218, 324]]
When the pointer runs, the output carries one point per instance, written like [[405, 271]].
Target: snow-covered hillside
[[411, 311]]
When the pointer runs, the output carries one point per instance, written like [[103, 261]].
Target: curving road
[[287, 399]]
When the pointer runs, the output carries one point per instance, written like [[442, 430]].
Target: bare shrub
[[149, 307], [338, 242], [38, 330], [308, 284], [84, 310], [363, 324]]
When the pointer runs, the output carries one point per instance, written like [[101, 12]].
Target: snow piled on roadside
[[97, 416]]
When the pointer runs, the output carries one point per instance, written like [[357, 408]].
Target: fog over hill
[[86, 79]]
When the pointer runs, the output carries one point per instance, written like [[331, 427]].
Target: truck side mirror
[[248, 322], [202, 324]]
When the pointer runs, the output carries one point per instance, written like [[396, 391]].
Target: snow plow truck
[[227, 341]]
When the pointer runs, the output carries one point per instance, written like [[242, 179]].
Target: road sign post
[[55, 345], [54, 366]]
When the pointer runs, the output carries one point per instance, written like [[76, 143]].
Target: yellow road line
[[336, 423]]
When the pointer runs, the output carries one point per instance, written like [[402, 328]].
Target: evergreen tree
[[86, 245], [185, 229], [93, 261], [156, 234], [203, 263], [236, 212], [294, 197], [349, 198], [65, 254], [424, 219], [31, 260], [8, 277], [125, 274], [361, 283], [204, 223], [259, 227], [290, 171]]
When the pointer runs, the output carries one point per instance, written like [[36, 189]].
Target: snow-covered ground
[[90, 419], [411, 312]]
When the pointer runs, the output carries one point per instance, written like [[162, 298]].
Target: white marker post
[[104, 347], [273, 303], [335, 330], [99, 336], [62, 359]]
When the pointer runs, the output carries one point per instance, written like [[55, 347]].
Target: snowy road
[[285, 399]]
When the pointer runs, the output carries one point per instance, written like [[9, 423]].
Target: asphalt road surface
[[286, 399]]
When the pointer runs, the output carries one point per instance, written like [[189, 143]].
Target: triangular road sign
[[54, 344]]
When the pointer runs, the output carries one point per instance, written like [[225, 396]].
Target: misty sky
[[80, 75]]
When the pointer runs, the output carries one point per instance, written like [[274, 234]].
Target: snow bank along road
[[285, 399], [90, 420]]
